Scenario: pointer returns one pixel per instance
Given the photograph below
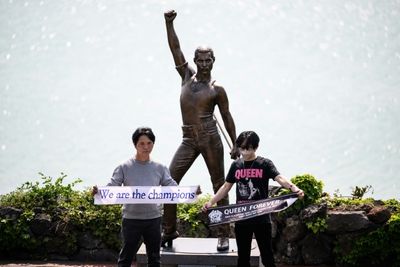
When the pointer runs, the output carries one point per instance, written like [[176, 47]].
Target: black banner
[[238, 212]]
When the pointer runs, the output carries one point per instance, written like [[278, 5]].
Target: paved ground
[[69, 264], [55, 264], [47, 264]]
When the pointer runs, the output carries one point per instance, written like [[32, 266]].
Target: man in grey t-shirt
[[141, 220]]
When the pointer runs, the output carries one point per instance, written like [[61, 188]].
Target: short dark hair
[[204, 49], [247, 139], [143, 131]]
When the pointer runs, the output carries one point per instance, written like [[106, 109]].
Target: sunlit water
[[318, 81]]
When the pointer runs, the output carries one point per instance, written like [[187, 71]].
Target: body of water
[[318, 81]]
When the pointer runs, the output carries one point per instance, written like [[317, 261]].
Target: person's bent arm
[[173, 40], [283, 181], [222, 192]]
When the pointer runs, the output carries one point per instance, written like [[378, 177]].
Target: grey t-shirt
[[141, 173]]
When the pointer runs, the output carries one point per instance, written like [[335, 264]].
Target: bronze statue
[[199, 96]]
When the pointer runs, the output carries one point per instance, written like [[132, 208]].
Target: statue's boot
[[223, 244], [167, 238]]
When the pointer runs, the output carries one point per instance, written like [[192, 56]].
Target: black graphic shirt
[[252, 178]]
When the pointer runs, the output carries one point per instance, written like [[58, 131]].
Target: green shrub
[[312, 188], [318, 225], [16, 234], [48, 195], [393, 205], [347, 202], [103, 221], [358, 192], [312, 192], [378, 248], [66, 206], [191, 213], [73, 208]]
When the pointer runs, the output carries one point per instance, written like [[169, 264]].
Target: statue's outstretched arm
[[173, 40]]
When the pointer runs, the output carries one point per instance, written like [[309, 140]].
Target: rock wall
[[293, 242], [60, 240]]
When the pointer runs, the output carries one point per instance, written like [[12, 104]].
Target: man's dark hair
[[204, 49], [143, 131], [247, 139]]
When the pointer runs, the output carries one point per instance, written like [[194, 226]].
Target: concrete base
[[198, 252]]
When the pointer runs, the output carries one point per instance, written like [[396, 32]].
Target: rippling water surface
[[319, 82]]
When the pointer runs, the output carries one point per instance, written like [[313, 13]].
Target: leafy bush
[[318, 225], [350, 203], [312, 192], [72, 212], [359, 192], [74, 208], [16, 234], [393, 205], [312, 188], [49, 196], [103, 221], [378, 248], [191, 213]]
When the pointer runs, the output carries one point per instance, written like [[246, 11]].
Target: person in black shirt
[[251, 173]]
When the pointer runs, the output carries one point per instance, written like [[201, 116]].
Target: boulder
[[41, 224], [379, 214], [317, 249], [295, 230], [313, 212], [10, 213], [289, 253], [340, 222]]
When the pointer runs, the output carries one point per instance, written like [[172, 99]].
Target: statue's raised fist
[[170, 15]]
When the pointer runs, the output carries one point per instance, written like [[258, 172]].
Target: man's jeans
[[132, 231]]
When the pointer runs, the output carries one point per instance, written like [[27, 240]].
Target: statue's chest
[[198, 94]]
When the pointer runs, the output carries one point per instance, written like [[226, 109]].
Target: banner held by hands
[[109, 195], [239, 212]]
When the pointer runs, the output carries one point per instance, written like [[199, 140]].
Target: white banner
[[108, 195]]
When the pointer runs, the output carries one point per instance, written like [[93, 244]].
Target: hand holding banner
[[109, 195]]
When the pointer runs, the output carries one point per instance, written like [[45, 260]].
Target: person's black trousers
[[132, 231], [244, 236]]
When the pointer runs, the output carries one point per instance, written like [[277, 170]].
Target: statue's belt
[[199, 127]]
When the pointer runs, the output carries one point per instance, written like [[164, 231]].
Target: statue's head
[[204, 59], [203, 49]]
